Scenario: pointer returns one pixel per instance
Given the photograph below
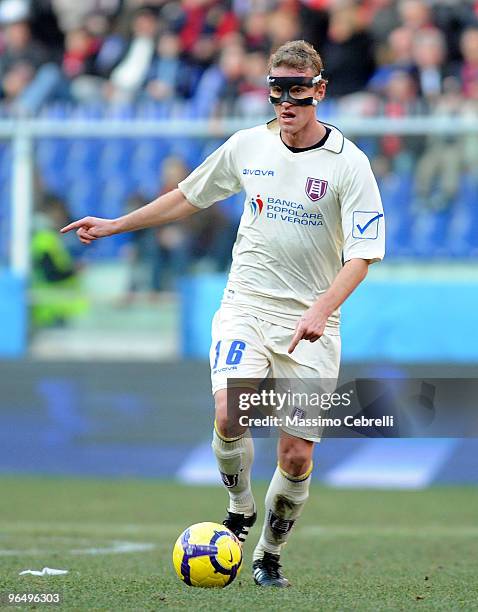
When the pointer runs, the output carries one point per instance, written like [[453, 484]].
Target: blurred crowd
[[382, 56]]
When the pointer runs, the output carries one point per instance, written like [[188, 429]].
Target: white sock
[[234, 459], [285, 500]]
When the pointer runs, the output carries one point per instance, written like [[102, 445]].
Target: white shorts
[[246, 347]]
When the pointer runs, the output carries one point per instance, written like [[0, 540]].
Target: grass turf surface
[[351, 550]]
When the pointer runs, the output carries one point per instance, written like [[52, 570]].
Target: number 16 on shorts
[[233, 353]]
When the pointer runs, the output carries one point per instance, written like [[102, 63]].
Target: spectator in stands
[[382, 19], [15, 82], [468, 70], [55, 282], [140, 256], [156, 256], [81, 49], [72, 14], [45, 27], [348, 58], [314, 22], [452, 18], [401, 100], [415, 14], [201, 56], [429, 55], [397, 55], [283, 25], [253, 98], [255, 31], [19, 45], [221, 20], [219, 88], [79, 65], [112, 45], [400, 44], [438, 170], [173, 241], [206, 17], [27, 77], [91, 52], [166, 71], [131, 73]]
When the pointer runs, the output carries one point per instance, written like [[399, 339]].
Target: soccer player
[[312, 224]]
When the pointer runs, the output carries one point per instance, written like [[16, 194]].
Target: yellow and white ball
[[207, 555]]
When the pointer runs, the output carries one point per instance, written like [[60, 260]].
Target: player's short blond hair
[[297, 54]]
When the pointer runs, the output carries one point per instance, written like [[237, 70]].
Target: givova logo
[[258, 172], [256, 205]]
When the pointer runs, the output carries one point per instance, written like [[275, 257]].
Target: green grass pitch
[[352, 550]]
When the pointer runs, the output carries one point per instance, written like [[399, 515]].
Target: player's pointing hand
[[91, 228], [310, 327]]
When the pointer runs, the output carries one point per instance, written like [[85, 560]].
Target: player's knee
[[221, 422], [228, 421], [294, 464], [295, 458]]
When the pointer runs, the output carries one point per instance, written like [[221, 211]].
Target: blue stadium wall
[[13, 315], [402, 321]]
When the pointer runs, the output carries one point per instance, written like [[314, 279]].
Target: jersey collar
[[334, 143]]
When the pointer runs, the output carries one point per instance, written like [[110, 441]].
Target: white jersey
[[304, 215]]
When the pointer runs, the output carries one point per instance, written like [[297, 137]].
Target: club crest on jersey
[[256, 205], [315, 188]]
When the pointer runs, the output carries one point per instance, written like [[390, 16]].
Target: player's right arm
[[215, 179], [167, 208]]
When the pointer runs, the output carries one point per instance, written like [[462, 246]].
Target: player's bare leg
[[234, 450], [285, 499]]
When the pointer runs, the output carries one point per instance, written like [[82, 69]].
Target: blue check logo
[[365, 224]]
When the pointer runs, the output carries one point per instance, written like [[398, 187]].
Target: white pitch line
[[115, 548], [15, 553]]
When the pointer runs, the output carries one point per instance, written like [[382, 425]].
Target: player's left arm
[[312, 324], [363, 231]]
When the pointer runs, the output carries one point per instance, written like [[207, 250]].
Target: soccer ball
[[207, 555]]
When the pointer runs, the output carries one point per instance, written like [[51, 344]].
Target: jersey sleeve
[[363, 222], [215, 179]]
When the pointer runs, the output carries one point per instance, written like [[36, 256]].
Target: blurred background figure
[[158, 257], [468, 67], [219, 88], [167, 69], [58, 297], [253, 94], [347, 53], [130, 74], [439, 169], [415, 14], [283, 25], [429, 57]]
